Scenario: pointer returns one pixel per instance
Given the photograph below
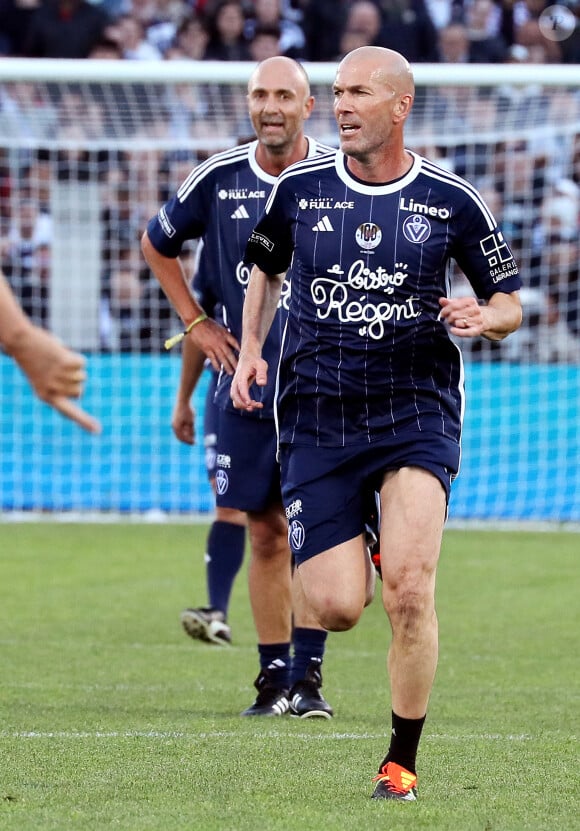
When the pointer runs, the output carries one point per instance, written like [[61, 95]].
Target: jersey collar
[[267, 177], [376, 190]]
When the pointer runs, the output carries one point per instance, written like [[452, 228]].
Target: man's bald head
[[282, 70], [382, 65]]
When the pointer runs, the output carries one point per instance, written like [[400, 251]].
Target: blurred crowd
[[467, 31], [519, 146]]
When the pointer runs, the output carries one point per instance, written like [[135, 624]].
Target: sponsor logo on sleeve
[[260, 239], [499, 257], [166, 225]]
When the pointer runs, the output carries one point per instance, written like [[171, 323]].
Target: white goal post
[[90, 149]]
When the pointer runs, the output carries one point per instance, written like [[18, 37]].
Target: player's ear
[[403, 107], [308, 106]]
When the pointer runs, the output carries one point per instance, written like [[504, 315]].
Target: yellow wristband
[[177, 338]]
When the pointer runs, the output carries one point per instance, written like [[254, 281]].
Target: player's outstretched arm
[[55, 373]]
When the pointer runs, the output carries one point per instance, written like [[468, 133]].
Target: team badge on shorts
[[221, 482], [296, 535]]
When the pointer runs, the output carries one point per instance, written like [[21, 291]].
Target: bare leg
[[270, 576], [412, 520], [335, 584], [303, 614]]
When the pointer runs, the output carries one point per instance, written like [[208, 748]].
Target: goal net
[[88, 152]]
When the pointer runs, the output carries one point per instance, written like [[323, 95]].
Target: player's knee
[[407, 608], [339, 617]]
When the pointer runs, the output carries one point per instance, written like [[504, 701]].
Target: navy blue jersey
[[220, 202], [365, 355]]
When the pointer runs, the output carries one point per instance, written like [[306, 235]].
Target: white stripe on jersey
[[321, 162], [235, 154], [217, 160], [442, 175]]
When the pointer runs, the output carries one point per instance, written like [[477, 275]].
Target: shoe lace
[[399, 779]]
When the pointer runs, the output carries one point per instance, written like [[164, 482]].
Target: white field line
[[272, 734]]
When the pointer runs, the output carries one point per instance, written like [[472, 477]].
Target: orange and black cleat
[[395, 782]]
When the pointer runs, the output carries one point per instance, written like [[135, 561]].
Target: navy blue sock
[[224, 557], [308, 646], [275, 657]]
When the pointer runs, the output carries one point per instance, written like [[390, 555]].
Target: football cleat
[[395, 782], [271, 700], [306, 700], [206, 624]]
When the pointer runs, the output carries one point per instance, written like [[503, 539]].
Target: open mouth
[[348, 129]]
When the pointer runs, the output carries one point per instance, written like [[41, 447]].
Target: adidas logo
[[408, 780], [240, 213], [323, 225]]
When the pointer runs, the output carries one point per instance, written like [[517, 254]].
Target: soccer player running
[[371, 391], [56, 374], [220, 202]]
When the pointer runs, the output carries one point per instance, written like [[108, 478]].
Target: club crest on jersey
[[416, 229], [296, 535], [368, 235]]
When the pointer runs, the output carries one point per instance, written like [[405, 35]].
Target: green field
[[111, 718]]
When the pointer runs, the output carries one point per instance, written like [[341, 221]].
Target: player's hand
[[464, 315], [183, 422], [250, 370], [56, 374], [220, 346]]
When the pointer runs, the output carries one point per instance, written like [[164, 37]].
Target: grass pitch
[[111, 718]]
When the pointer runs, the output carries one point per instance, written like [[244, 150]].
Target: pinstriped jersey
[[220, 202], [365, 356]]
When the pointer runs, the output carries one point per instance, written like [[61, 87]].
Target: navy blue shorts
[[210, 427], [327, 491], [248, 473]]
